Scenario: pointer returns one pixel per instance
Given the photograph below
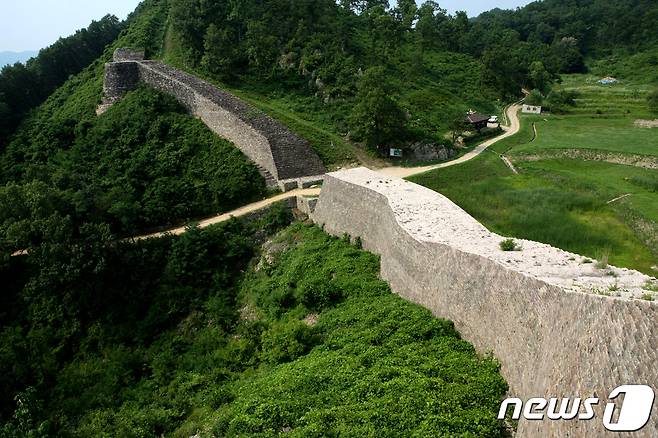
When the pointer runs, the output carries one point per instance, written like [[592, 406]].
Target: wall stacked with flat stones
[[120, 78], [551, 340], [127, 54], [285, 155]]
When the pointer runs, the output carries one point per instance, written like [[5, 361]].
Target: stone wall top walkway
[[429, 216]]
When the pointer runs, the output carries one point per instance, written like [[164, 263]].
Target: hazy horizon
[[31, 25]]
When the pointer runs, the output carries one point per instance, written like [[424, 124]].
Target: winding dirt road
[[393, 171], [405, 172], [242, 211]]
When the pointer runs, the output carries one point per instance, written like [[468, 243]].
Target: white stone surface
[[429, 216]]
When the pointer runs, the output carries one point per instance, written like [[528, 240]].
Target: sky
[[35, 24], [476, 7]]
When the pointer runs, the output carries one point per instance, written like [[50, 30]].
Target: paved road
[[400, 172], [405, 172]]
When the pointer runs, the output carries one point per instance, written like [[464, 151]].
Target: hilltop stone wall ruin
[[279, 153]]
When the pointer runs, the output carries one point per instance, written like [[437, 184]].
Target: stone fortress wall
[[534, 309], [283, 157], [539, 310]]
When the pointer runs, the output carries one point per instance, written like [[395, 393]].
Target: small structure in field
[[395, 152], [531, 109], [477, 120], [608, 80]]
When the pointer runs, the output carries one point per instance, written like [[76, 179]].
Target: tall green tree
[[431, 18], [377, 118], [406, 13], [540, 78]]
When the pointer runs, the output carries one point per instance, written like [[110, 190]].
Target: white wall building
[[531, 109]]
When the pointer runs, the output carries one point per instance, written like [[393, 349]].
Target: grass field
[[603, 119], [566, 202]]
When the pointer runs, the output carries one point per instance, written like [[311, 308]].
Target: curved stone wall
[[288, 158], [551, 339]]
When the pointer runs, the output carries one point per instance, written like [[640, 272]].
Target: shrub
[[651, 286], [652, 101], [534, 98], [286, 341], [559, 101], [510, 245], [602, 258], [317, 293]]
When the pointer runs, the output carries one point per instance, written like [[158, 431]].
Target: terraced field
[[587, 182], [602, 120]]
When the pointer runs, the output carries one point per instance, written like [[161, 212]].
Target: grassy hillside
[[297, 73], [432, 99], [446, 85]]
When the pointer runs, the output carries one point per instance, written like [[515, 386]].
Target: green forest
[[193, 337], [258, 326], [23, 87]]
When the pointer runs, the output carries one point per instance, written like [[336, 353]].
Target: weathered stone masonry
[[550, 341], [551, 338], [279, 153]]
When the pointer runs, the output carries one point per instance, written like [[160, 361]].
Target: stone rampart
[[126, 54], [120, 77], [536, 309], [288, 158]]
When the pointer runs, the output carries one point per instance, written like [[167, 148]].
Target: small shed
[[531, 109], [477, 120]]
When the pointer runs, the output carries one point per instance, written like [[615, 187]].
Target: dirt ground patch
[[639, 123]]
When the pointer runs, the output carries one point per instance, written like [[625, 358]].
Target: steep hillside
[[334, 73], [143, 164], [309, 341]]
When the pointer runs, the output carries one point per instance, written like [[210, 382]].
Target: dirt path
[[405, 172], [250, 208], [400, 172], [508, 163]]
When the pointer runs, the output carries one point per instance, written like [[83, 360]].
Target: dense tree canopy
[[23, 87], [144, 163]]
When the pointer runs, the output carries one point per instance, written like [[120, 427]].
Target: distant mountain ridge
[[10, 58]]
